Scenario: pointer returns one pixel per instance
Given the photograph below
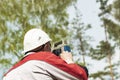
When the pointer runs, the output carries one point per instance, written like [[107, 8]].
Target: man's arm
[[68, 58]]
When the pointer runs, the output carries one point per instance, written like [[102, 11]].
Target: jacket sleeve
[[75, 70], [72, 69], [45, 71]]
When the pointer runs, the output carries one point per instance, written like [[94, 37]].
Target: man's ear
[[47, 47]]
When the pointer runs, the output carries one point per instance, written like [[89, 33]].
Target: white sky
[[89, 11]]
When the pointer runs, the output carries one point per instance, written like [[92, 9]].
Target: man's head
[[36, 39]]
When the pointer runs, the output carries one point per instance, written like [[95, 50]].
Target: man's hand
[[67, 57]]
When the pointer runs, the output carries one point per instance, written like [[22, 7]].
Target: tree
[[79, 37], [113, 22], [105, 48]]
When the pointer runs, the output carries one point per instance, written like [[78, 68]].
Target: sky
[[90, 11]]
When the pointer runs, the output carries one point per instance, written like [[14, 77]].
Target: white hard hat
[[35, 38]]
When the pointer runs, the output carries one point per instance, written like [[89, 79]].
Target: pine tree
[[111, 33], [80, 39]]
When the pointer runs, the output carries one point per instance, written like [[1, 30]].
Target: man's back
[[49, 68], [31, 70]]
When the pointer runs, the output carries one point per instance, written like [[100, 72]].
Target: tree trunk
[[110, 63], [83, 51], [109, 54]]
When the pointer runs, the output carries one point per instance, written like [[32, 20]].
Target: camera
[[60, 46]]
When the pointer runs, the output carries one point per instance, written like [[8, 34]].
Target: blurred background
[[92, 28]]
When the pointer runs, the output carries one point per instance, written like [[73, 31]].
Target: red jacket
[[59, 68]]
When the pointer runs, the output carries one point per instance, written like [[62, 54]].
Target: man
[[39, 63]]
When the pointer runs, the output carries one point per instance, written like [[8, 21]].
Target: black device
[[59, 47]]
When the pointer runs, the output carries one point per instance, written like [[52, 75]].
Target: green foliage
[[113, 11], [116, 10], [113, 33], [103, 3], [104, 7], [103, 50], [100, 75], [5, 62]]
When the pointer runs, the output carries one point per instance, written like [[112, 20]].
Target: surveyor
[[39, 63]]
